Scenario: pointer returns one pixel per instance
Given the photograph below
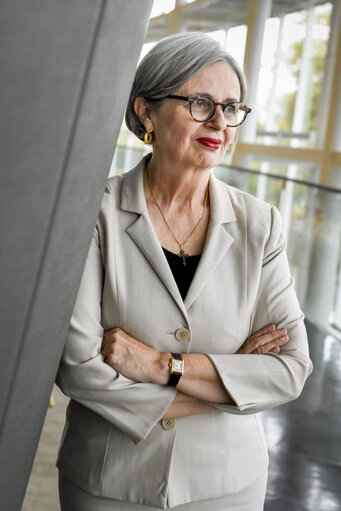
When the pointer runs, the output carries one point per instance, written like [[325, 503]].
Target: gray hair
[[169, 64]]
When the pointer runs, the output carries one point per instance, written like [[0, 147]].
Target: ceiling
[[210, 15]]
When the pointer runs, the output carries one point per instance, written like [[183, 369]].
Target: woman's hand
[[141, 363], [266, 340], [133, 359]]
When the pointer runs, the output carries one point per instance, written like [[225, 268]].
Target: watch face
[[176, 366]]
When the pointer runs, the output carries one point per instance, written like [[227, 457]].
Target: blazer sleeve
[[132, 407], [258, 382]]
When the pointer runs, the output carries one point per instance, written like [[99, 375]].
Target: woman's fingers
[[272, 346], [265, 330], [111, 336], [264, 340]]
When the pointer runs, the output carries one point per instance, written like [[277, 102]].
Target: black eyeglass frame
[[191, 100]]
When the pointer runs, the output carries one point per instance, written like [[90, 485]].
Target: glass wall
[[294, 92], [291, 77]]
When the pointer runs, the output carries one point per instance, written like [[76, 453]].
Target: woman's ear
[[142, 110]]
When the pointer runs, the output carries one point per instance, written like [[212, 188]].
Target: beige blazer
[[114, 444]]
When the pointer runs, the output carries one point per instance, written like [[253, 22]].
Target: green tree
[[319, 52]]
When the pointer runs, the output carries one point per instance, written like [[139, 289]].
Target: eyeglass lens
[[202, 108]]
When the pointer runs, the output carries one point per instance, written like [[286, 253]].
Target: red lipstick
[[211, 143]]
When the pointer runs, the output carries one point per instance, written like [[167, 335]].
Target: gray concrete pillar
[[66, 70]]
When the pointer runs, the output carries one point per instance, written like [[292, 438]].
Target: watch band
[[175, 375]]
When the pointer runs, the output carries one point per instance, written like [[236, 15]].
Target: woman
[[181, 270]]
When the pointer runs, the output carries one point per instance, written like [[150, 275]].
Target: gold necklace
[[181, 245]]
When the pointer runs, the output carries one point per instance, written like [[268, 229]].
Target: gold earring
[[148, 138]]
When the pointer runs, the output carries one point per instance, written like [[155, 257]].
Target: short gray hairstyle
[[169, 64]]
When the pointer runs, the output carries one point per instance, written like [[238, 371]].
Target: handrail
[[324, 188], [284, 134]]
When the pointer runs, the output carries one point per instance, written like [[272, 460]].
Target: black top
[[183, 275]]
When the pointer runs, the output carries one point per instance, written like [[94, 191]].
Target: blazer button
[[168, 424], [182, 334]]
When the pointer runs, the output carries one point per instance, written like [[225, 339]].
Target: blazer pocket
[[138, 473], [83, 447], [247, 451]]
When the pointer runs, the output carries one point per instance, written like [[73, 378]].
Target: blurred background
[[289, 154]]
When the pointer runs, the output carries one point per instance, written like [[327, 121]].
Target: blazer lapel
[[218, 239], [142, 232]]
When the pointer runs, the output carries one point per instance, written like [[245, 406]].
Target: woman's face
[[181, 140]]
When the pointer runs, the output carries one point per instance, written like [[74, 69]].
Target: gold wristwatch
[[176, 369]]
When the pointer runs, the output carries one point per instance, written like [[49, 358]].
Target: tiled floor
[[304, 437], [304, 440]]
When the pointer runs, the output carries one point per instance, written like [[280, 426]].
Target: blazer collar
[[132, 198], [218, 239]]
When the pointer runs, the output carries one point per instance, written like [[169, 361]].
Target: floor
[[304, 440], [304, 437], [42, 490]]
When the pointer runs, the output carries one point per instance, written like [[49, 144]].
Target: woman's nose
[[218, 120]]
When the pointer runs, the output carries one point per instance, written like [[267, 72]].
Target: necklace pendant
[[183, 255]]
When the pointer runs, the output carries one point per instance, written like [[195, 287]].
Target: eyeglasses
[[203, 108]]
